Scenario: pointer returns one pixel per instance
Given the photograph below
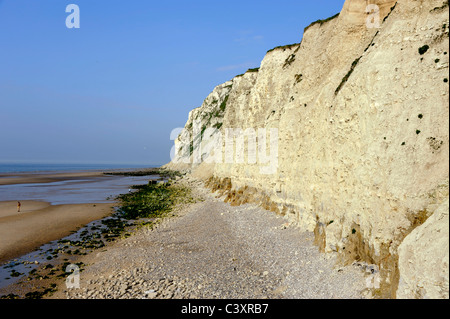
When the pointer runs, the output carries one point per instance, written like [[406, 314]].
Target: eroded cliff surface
[[362, 124]]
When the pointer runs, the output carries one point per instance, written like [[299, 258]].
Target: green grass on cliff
[[284, 47], [321, 21], [223, 105]]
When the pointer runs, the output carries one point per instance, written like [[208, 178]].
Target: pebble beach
[[211, 250]]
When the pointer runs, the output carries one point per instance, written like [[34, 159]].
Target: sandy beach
[[40, 222]]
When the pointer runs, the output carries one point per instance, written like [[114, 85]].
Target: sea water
[[87, 189], [82, 190], [46, 167], [102, 189]]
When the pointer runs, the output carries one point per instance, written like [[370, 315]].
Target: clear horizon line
[[77, 162]]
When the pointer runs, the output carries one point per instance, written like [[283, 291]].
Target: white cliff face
[[202, 123], [362, 120], [424, 259]]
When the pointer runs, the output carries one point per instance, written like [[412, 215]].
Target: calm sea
[[85, 189], [36, 167]]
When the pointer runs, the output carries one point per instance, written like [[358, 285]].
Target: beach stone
[[151, 295], [217, 244]]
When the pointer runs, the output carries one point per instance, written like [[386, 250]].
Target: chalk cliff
[[362, 119]]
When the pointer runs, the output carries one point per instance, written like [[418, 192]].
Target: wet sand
[[39, 223], [54, 204], [27, 178]]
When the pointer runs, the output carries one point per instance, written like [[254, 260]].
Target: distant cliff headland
[[346, 135]]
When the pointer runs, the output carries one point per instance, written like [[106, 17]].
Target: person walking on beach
[[18, 206]]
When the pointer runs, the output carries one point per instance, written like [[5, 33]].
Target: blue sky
[[113, 90]]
